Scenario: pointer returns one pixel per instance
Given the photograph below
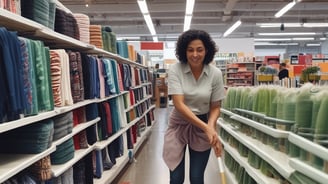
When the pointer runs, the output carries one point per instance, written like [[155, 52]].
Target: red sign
[[151, 45]]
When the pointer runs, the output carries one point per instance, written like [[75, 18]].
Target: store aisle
[[149, 167]]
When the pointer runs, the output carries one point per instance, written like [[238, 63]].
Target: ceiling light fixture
[[232, 28], [268, 43], [144, 10], [287, 34], [270, 25], [285, 9], [313, 44], [188, 15]]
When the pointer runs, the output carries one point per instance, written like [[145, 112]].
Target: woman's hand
[[212, 135], [218, 148]]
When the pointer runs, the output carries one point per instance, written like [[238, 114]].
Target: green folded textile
[[63, 153]]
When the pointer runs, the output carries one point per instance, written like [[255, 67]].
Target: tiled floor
[[149, 167]]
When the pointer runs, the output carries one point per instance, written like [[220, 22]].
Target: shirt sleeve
[[174, 81], [218, 92]]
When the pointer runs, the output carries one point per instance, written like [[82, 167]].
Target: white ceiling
[[214, 16]]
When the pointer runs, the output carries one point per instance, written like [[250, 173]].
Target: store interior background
[[247, 41]]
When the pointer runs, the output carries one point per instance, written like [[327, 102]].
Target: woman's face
[[196, 53]]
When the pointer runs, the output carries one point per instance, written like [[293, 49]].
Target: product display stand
[[281, 163]]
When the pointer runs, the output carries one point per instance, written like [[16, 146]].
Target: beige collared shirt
[[197, 94]]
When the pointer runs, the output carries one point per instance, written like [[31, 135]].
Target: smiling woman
[[197, 90]]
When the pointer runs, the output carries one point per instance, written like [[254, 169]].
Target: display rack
[[284, 164], [240, 74], [12, 164]]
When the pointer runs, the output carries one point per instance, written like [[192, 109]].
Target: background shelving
[[12, 164]]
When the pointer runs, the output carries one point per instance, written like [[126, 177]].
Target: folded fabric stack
[[96, 36], [76, 76], [83, 21], [41, 170], [122, 48], [63, 153], [41, 11], [109, 39], [60, 77], [32, 139], [65, 23], [11, 5], [63, 125]]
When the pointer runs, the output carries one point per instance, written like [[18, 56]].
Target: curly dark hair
[[186, 37]]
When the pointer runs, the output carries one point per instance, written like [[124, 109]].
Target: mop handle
[[221, 170]]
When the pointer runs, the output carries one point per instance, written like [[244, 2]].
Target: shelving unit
[[240, 74], [280, 161], [12, 164]]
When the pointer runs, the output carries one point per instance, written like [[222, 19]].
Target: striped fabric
[[83, 22], [96, 36]]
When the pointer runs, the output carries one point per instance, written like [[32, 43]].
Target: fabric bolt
[[32, 74], [12, 98], [52, 15], [63, 125], [127, 78], [11, 5], [115, 75], [133, 79], [63, 153], [132, 53], [122, 48], [137, 76], [96, 36], [102, 124], [119, 78], [109, 76], [37, 10], [55, 68], [41, 169], [107, 163], [129, 138], [83, 22], [79, 116], [79, 172], [92, 110], [98, 170], [34, 138], [67, 176], [66, 24], [101, 78], [108, 118], [29, 108], [115, 114], [42, 78], [76, 76]]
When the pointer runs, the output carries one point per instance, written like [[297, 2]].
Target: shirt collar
[[186, 68]]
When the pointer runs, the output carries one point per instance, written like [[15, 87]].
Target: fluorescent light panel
[[188, 15], [144, 10], [143, 6], [288, 34], [313, 44], [285, 9], [268, 43], [267, 25], [187, 22], [190, 6], [232, 28]]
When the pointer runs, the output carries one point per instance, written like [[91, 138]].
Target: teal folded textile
[[63, 153], [42, 77], [31, 139]]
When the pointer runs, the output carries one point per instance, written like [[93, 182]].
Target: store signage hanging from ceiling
[[151, 45]]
